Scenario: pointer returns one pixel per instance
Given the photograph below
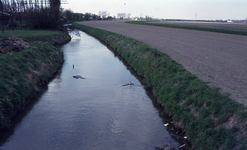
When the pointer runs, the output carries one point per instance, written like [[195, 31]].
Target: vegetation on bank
[[189, 27], [23, 74], [54, 37], [210, 119]]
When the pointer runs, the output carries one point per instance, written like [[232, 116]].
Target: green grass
[[52, 36], [202, 110], [24, 74], [28, 33], [190, 27]]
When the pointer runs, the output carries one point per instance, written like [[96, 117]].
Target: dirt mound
[[13, 44]]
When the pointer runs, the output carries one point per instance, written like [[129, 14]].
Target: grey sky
[[167, 9]]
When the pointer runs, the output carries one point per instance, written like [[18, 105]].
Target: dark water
[[96, 113]]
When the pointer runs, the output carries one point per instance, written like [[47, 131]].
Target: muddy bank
[[24, 73], [13, 44], [211, 120]]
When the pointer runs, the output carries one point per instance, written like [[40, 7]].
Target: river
[[95, 113]]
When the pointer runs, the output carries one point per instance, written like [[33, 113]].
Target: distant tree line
[[32, 14], [69, 15], [123, 15], [102, 15]]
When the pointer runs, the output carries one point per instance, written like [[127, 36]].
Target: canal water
[[95, 113]]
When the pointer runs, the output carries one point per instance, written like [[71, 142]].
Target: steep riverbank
[[24, 74], [211, 120]]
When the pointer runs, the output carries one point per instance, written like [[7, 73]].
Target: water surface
[[96, 113]]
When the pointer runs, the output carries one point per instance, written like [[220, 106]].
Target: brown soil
[[217, 58], [13, 44]]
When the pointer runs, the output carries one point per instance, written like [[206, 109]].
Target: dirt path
[[220, 59]]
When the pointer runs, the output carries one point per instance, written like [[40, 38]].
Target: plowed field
[[217, 58]]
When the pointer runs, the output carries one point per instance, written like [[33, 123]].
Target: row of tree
[[32, 14], [103, 15], [71, 16], [123, 15], [44, 14]]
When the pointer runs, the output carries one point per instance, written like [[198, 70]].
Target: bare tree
[[121, 15], [104, 14], [100, 13], [129, 14], [55, 3], [68, 14], [148, 18], [55, 13]]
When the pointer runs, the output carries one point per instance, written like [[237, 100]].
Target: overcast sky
[[166, 9]]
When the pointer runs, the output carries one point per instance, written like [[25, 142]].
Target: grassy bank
[[190, 27], [23, 74], [211, 120]]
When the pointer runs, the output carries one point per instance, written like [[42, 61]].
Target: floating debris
[[128, 84], [182, 146], [78, 77], [166, 124]]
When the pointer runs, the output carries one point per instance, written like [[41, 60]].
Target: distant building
[[229, 21], [136, 18]]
